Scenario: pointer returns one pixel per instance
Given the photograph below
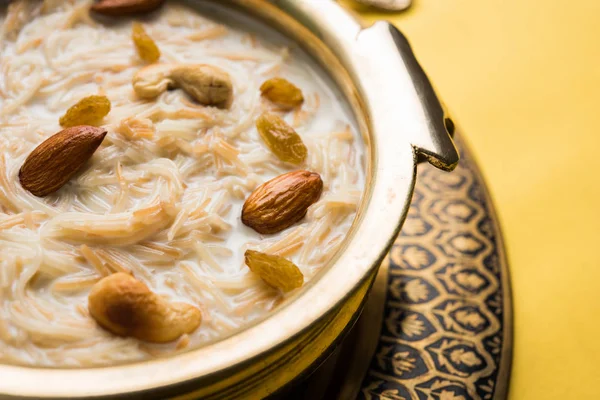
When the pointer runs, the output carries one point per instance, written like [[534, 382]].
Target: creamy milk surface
[[162, 196]]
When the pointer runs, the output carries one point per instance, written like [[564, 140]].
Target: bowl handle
[[399, 73], [400, 99]]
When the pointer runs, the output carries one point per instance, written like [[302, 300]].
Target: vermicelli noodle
[[161, 197]]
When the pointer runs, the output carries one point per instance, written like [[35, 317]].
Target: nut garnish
[[207, 84], [281, 138], [279, 203], [276, 271], [282, 92], [58, 158], [144, 44], [117, 8], [88, 111], [125, 306]]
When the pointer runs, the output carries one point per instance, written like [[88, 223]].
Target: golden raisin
[[145, 46], [282, 93], [88, 111], [281, 138], [276, 271]]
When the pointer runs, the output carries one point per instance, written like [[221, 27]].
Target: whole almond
[[279, 203], [58, 158], [117, 8]]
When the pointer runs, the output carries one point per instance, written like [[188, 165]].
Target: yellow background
[[522, 80]]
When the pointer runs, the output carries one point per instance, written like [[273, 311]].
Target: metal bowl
[[402, 122]]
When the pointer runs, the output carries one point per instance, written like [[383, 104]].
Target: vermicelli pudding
[[163, 202]]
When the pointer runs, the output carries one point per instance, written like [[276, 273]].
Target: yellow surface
[[522, 79]]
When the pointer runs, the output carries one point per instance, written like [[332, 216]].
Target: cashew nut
[[125, 306], [207, 84]]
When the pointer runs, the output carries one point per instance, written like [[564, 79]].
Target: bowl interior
[[389, 169]]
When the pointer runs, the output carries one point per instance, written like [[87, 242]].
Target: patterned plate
[[438, 322]]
